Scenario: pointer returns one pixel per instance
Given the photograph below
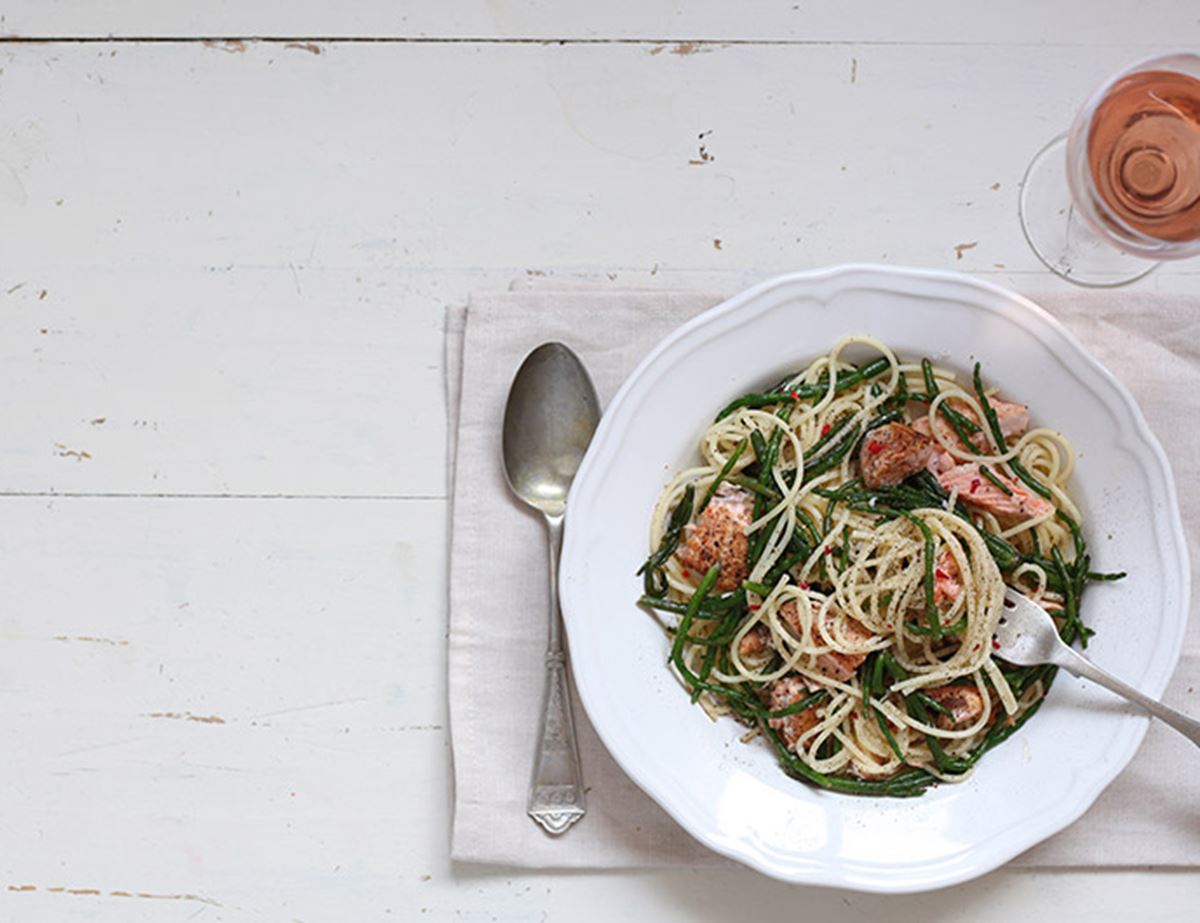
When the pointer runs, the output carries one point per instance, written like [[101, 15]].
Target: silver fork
[[1027, 637]]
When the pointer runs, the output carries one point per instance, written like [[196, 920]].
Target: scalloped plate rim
[[978, 858]]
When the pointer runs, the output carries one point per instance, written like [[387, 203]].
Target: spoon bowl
[[551, 414]]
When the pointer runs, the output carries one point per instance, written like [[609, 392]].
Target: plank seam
[[695, 43]]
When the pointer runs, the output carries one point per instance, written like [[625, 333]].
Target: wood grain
[[1074, 22], [223, 266], [224, 272], [219, 698]]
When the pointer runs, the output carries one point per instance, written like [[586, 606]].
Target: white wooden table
[[227, 235]]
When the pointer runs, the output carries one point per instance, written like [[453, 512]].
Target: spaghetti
[[838, 562]]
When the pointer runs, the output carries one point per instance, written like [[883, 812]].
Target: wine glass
[[1102, 204]]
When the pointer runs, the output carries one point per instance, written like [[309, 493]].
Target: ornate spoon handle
[[556, 798]]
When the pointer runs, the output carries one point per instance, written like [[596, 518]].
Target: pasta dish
[[834, 570]]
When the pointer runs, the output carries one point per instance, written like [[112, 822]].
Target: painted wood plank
[[235, 705], [1170, 23], [224, 269]]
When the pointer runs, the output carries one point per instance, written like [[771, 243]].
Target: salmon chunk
[[788, 691], [719, 536], [834, 664], [947, 581], [978, 492], [891, 453], [756, 641], [1013, 420], [964, 702], [941, 461]]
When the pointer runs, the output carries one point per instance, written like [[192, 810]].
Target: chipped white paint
[[222, 269]]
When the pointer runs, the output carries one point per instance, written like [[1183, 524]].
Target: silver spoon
[[1027, 637], [551, 414]]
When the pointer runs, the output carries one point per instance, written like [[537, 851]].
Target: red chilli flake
[[975, 485], [995, 644], [686, 572], [795, 395], [803, 586], [754, 607], [874, 447], [828, 550], [825, 429]]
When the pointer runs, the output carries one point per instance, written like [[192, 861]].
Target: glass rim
[[1090, 204]]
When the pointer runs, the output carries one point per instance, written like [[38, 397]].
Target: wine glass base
[[1061, 238]]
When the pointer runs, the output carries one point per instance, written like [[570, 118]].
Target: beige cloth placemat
[[1149, 816]]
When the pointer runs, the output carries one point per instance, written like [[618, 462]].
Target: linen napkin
[[1149, 816]]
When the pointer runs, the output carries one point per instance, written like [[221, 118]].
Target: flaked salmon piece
[[947, 581], [941, 461], [790, 613], [719, 536], [979, 492], [836, 665], [964, 702], [756, 641], [891, 453], [788, 691], [1013, 419]]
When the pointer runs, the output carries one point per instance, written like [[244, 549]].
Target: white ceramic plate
[[733, 797]]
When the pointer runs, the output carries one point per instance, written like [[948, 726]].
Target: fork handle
[[1081, 666]]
